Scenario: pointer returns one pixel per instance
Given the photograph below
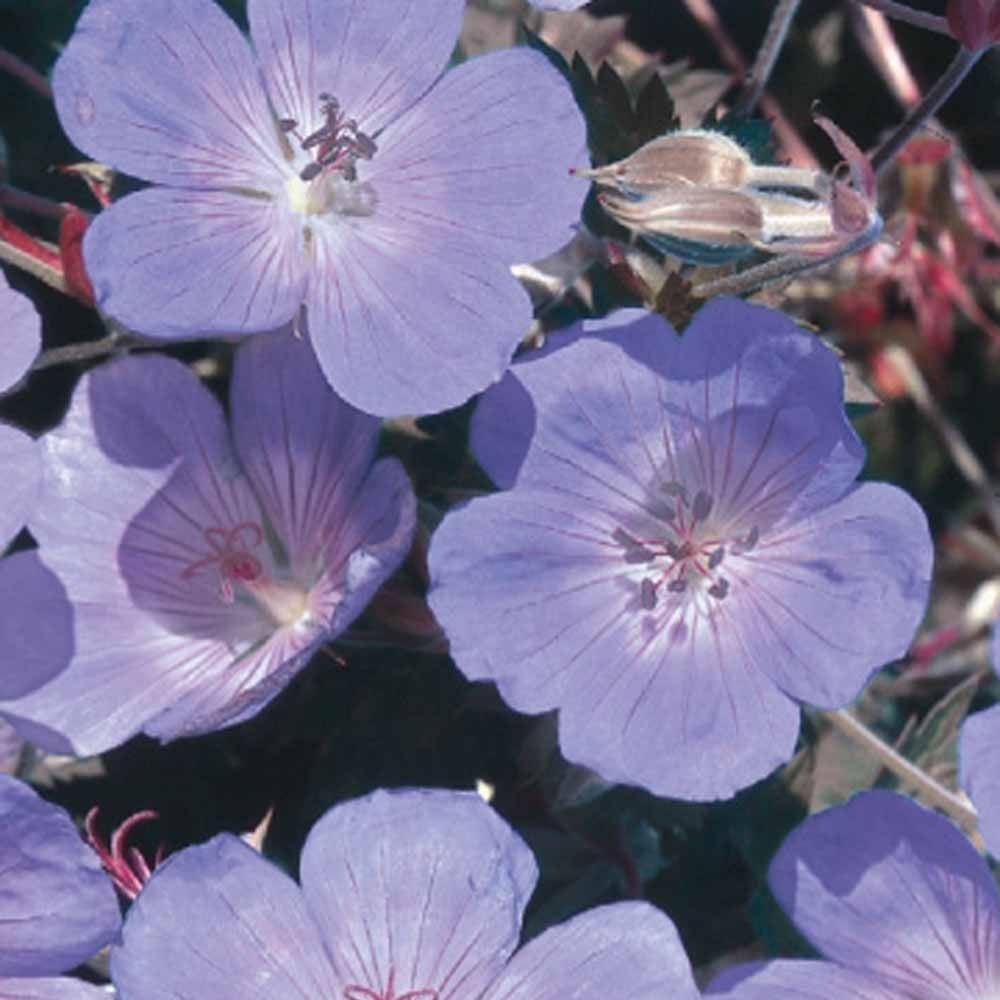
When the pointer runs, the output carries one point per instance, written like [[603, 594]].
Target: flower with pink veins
[[188, 570]]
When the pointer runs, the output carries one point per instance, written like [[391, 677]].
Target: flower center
[[329, 181], [242, 574], [689, 556]]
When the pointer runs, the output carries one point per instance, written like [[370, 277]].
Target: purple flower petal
[[837, 612], [168, 92], [31, 593], [52, 989], [630, 951], [890, 889], [463, 165], [305, 450], [423, 890], [57, 906], [979, 771], [172, 263], [22, 335], [163, 541], [621, 578], [219, 921], [376, 60], [797, 980], [383, 312], [20, 472]]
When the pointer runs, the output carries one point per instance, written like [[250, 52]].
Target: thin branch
[[86, 351], [933, 791], [874, 33], [901, 12], [10, 63], [945, 86], [961, 454], [25, 201], [767, 55]]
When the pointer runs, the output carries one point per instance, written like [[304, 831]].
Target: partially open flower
[[188, 570]]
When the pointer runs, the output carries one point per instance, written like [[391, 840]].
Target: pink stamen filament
[[128, 869]]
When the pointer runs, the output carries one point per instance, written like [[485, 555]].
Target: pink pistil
[[231, 551]]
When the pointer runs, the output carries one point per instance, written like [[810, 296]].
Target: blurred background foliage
[[387, 708]]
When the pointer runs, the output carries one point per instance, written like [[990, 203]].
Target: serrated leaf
[[932, 745], [613, 93], [654, 111]]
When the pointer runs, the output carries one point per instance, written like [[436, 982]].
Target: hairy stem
[[945, 86], [767, 56], [933, 791]]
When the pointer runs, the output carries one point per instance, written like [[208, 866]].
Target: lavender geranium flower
[[979, 761], [338, 169], [187, 570], [684, 556], [57, 907], [406, 895], [894, 896]]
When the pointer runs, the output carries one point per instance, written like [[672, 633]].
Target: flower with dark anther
[[57, 907], [405, 895], [893, 897], [188, 569], [335, 167], [680, 549], [124, 863]]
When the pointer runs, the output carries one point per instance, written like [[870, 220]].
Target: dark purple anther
[[720, 588], [647, 594], [702, 505]]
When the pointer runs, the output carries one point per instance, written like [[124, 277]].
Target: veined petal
[[168, 92], [759, 402], [137, 479], [305, 450], [171, 263], [890, 889], [630, 951], [219, 921], [834, 596], [20, 472], [467, 162], [375, 59], [787, 979], [22, 335], [57, 907], [403, 322], [979, 771], [416, 891]]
